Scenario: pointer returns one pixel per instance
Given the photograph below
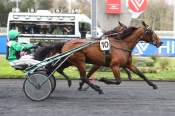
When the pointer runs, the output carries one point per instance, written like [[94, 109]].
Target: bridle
[[146, 32]]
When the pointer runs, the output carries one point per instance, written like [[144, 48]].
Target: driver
[[14, 48]]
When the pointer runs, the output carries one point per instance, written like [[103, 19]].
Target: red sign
[[137, 5], [113, 6]]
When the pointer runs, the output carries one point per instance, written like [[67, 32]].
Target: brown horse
[[49, 50], [120, 55], [116, 33]]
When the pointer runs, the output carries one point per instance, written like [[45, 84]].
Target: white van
[[44, 25]]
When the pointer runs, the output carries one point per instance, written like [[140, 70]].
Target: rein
[[108, 35]]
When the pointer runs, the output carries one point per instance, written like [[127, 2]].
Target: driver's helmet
[[13, 34]]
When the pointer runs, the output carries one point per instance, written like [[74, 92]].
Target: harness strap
[[112, 34], [123, 49], [107, 54]]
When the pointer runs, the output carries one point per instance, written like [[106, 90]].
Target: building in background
[[108, 18]]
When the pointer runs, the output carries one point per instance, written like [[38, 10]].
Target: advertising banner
[[113, 6], [146, 49], [137, 6]]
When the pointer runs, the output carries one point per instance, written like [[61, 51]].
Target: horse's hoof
[[155, 87], [96, 86], [100, 92], [104, 80], [84, 89], [80, 88], [69, 83], [118, 82]]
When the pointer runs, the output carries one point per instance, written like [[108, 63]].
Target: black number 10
[[105, 44]]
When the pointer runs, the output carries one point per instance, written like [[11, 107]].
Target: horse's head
[[150, 36]]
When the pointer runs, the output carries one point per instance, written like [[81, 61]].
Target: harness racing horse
[[120, 55], [117, 35], [46, 51]]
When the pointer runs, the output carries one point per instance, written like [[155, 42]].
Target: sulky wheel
[[53, 82], [52, 78], [37, 87]]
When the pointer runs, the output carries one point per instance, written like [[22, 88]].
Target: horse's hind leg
[[128, 73], [82, 71], [92, 70], [140, 74], [116, 72], [66, 77]]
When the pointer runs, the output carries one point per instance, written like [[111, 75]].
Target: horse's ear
[[119, 23], [144, 24], [122, 25]]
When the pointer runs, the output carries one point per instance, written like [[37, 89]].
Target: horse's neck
[[134, 38]]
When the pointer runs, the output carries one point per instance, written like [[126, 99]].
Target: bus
[[47, 26]]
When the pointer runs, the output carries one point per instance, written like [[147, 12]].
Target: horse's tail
[[46, 51]]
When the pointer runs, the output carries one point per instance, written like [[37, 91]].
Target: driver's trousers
[[24, 60]]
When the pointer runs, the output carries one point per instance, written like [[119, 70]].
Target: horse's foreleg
[[116, 72], [128, 73], [92, 70], [140, 74], [82, 71], [66, 77]]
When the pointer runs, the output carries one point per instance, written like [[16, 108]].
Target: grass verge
[[6, 71]]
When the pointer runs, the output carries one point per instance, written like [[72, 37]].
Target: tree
[[26, 4], [60, 4], [44, 4], [84, 6], [158, 15], [5, 8]]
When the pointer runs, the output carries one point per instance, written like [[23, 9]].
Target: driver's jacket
[[15, 47]]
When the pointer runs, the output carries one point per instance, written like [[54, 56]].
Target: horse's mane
[[42, 52], [111, 31], [127, 32], [120, 35]]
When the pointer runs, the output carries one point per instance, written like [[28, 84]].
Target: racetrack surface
[[131, 98]]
